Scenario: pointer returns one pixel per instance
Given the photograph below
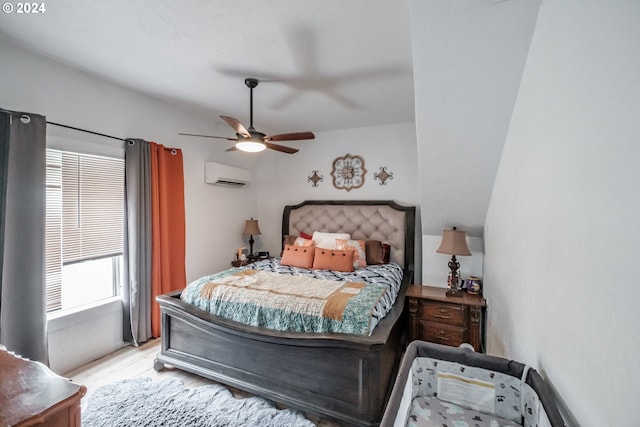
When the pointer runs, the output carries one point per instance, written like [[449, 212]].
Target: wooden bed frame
[[341, 376]]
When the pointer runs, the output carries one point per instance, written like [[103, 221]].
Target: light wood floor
[[137, 362]]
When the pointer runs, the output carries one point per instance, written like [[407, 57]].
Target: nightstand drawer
[[451, 320], [452, 314], [442, 333]]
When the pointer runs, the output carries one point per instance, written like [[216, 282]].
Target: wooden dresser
[[443, 319], [32, 395]]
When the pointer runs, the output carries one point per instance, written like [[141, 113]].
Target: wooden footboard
[[345, 377]]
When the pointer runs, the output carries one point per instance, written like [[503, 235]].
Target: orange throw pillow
[[298, 256], [333, 259]]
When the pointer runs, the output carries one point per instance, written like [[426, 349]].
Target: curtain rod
[[173, 150], [87, 131]]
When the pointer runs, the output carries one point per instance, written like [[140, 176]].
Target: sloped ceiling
[[468, 60]]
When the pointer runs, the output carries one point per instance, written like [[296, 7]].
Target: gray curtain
[[23, 322], [137, 283]]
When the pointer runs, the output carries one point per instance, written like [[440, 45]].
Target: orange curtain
[[168, 226]]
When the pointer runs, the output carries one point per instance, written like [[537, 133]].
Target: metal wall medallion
[[315, 178], [383, 175], [348, 172]]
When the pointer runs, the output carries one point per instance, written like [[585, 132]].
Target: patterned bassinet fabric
[[439, 385]]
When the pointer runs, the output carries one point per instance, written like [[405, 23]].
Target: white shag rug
[[142, 402]]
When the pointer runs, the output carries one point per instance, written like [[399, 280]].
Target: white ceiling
[[324, 65]]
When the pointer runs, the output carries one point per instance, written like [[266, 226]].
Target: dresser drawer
[[443, 333], [441, 312]]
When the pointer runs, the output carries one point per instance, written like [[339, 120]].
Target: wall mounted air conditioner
[[216, 173]]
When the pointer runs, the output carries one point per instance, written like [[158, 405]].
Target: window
[[84, 228]]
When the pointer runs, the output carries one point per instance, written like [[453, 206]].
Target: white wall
[[36, 84], [282, 179], [80, 336], [562, 233]]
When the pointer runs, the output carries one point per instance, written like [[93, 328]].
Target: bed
[[342, 376], [441, 385]]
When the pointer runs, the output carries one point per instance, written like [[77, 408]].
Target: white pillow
[[328, 240]]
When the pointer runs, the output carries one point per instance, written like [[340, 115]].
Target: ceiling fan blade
[[293, 136], [232, 148], [237, 126], [208, 136], [281, 148]]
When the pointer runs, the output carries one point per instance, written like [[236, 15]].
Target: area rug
[[142, 402]]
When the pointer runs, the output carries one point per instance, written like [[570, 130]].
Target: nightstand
[[249, 260], [443, 319], [238, 263]]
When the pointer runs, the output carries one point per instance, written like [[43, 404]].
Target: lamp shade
[[454, 242], [251, 227]]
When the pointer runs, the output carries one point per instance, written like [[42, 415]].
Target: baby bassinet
[[439, 385]]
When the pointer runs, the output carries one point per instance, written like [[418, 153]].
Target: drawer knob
[[444, 313], [442, 335]]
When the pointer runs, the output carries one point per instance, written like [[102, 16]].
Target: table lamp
[[454, 242], [251, 228]]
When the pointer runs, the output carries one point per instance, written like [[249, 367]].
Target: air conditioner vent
[[219, 174]]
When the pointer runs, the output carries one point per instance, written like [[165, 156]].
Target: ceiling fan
[[249, 139]]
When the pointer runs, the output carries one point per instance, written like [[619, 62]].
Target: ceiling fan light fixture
[[250, 146], [251, 141]]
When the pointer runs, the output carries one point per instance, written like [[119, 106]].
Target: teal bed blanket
[[286, 302]]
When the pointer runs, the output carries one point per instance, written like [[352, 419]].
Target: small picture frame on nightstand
[[474, 285]]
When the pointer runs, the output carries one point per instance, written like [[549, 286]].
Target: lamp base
[[452, 280], [454, 292]]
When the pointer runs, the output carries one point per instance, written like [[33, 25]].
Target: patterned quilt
[[270, 295]]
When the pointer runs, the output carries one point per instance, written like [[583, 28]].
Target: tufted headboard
[[383, 220]]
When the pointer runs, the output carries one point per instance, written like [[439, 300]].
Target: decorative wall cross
[[315, 178], [383, 175]]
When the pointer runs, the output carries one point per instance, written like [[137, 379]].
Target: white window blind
[[85, 213], [92, 207]]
